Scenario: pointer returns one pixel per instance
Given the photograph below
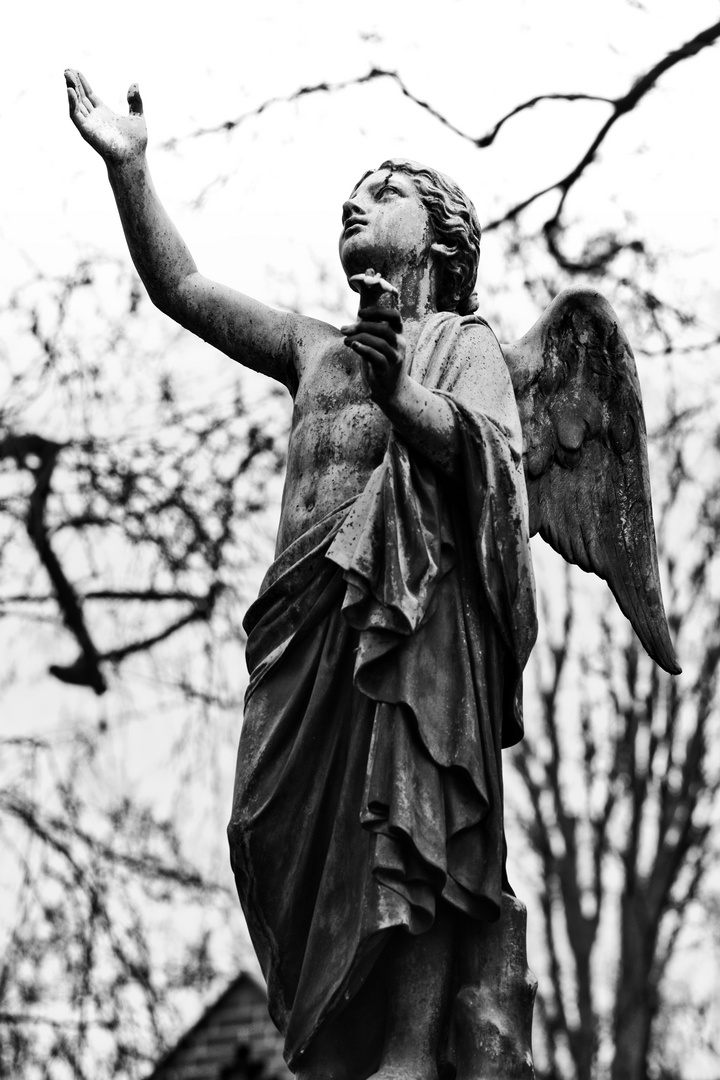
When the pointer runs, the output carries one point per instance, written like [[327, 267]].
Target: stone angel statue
[[387, 645]]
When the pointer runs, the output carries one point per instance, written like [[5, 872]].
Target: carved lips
[[352, 225]]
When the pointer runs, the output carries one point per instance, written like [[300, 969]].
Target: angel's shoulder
[[481, 350], [477, 330], [485, 383]]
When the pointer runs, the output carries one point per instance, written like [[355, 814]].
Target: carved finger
[[380, 348], [374, 329], [134, 100], [366, 374], [83, 105], [91, 97], [368, 354], [379, 378], [81, 111], [74, 92], [72, 102], [382, 314]]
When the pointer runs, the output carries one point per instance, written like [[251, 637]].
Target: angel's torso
[[338, 436]]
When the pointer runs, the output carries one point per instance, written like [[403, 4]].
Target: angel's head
[[454, 229]]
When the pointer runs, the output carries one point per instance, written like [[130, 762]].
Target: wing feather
[[585, 453]]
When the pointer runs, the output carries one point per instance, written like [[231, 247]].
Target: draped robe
[[385, 650]]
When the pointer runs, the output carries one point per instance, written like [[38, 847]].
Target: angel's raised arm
[[248, 331]]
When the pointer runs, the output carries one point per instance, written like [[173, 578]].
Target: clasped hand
[[378, 340]]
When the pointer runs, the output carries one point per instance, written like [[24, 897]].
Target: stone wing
[[585, 455]]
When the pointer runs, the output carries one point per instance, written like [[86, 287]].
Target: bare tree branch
[[595, 260], [23, 448], [375, 73], [621, 106]]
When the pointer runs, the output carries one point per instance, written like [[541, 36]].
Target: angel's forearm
[[161, 256], [426, 422]]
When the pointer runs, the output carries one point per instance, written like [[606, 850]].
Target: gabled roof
[[234, 1039]]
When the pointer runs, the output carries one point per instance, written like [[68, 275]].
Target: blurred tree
[[128, 493], [82, 975], [131, 515], [619, 796]]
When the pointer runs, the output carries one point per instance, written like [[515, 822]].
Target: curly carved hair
[[454, 222]]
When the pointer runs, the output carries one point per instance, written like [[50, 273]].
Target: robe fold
[[385, 651]]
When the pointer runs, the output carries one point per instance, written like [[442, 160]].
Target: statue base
[[491, 1022]]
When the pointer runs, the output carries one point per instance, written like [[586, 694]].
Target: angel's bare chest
[[338, 438]]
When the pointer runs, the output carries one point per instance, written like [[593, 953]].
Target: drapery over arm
[[401, 536]]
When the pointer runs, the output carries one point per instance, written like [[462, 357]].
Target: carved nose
[[349, 208]]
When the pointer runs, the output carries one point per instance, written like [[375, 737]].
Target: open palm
[[116, 138]]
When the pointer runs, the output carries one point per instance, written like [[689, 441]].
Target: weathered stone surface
[[491, 1028]]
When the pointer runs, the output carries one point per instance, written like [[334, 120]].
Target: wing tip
[[667, 661]]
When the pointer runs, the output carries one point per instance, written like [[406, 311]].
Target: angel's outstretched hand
[[118, 139]]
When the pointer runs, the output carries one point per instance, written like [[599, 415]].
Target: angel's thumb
[[134, 100]]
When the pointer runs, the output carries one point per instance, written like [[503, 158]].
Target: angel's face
[[385, 225]]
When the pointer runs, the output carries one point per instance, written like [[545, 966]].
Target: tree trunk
[[636, 999]]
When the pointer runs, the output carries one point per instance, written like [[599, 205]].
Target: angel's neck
[[417, 288]]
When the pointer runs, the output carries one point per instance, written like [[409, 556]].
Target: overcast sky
[[201, 64]]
